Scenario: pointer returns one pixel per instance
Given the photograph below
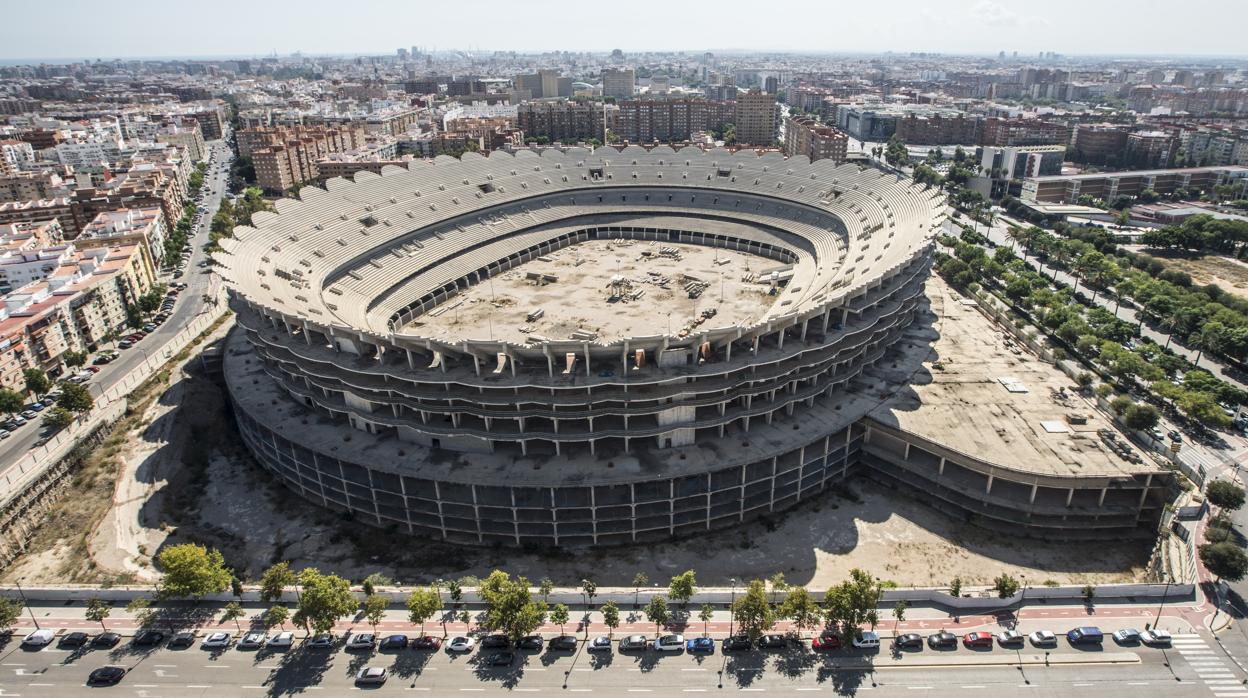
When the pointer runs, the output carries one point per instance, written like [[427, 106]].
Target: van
[[1087, 635]]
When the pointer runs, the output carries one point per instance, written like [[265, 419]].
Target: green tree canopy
[[11, 401], [323, 599], [682, 587], [75, 398], [10, 609], [375, 609], [853, 603], [191, 571], [97, 610], [559, 616], [510, 607], [232, 612], [656, 612], [37, 381], [1225, 560], [1005, 586], [1225, 495], [276, 617], [422, 604], [275, 580], [611, 615], [801, 608]]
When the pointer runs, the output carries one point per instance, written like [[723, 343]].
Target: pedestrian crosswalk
[[1213, 669]]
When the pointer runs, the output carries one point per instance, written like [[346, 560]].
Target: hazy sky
[[97, 29]]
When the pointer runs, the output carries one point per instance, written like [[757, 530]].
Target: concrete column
[[781, 339], [411, 362], [988, 488], [587, 369], [1032, 499], [907, 454], [728, 351], [1144, 494], [844, 317], [1101, 501], [1070, 496], [940, 471], [476, 363], [805, 323]]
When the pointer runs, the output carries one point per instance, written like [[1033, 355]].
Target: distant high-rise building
[[771, 84], [401, 53], [757, 118], [544, 84], [804, 135], [620, 83]]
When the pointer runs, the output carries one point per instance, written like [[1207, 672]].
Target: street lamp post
[[732, 614], [1164, 592], [26, 604], [1022, 596]]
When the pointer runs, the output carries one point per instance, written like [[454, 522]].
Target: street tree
[[58, 418], [421, 605], [682, 587], [37, 382], [276, 617], [191, 571], [590, 589], [657, 613], [955, 587], [752, 611], [510, 606], [10, 609], [75, 398], [232, 612], [801, 608], [559, 616], [1226, 560], [639, 580], [1005, 586], [74, 359], [375, 609], [1225, 495], [899, 613], [545, 587], [778, 585], [610, 616], [455, 590], [275, 580], [853, 603], [705, 615], [324, 598], [97, 610], [11, 401]]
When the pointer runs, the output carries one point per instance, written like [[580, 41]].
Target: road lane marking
[[197, 685]]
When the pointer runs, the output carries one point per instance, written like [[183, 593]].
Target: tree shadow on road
[[297, 670], [796, 662], [410, 664], [743, 670]]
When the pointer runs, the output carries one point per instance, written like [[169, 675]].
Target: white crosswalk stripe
[[1209, 666]]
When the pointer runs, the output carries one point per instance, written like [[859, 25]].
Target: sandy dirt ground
[[1230, 274], [581, 298]]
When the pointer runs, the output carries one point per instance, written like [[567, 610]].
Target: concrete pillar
[[411, 362], [781, 339], [941, 470], [1148, 482], [805, 324], [476, 363], [907, 454], [1070, 496], [728, 351], [1101, 501], [1032, 499], [988, 488], [587, 369]]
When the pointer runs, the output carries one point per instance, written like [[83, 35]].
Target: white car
[[361, 641], [1156, 636], [461, 644], [371, 675], [1127, 636], [1010, 637], [1043, 638], [867, 640], [39, 638], [252, 640], [216, 641], [670, 643], [285, 639]]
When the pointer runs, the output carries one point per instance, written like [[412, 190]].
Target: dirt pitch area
[[1230, 274]]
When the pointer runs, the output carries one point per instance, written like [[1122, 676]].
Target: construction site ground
[[607, 290], [185, 476]]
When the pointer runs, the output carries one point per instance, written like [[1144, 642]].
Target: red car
[[980, 639], [93, 369], [428, 642], [826, 641]]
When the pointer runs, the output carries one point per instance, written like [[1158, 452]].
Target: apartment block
[[293, 160], [804, 135], [757, 118], [1007, 132], [1108, 186], [1100, 144], [561, 120], [14, 155], [939, 129], [144, 227], [648, 120], [27, 186], [620, 83]]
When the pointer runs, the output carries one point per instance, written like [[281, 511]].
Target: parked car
[[252, 640], [1086, 635], [942, 640], [1127, 636], [5, 433], [321, 641], [1155, 636], [773, 642], [394, 642], [216, 641], [670, 643], [826, 641], [106, 676], [125, 344], [426, 642], [148, 638], [281, 640], [701, 645], [867, 640], [602, 643], [182, 640], [1175, 436], [106, 640], [371, 676], [980, 639], [38, 638], [149, 327], [563, 643], [633, 643], [1043, 638], [495, 642], [361, 641], [529, 642], [737, 643], [28, 414], [461, 644], [1010, 637], [907, 641], [75, 639]]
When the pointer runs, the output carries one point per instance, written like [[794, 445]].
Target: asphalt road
[[190, 303], [1111, 671]]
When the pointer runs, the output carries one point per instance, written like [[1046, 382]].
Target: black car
[[529, 642], [73, 640], [909, 641], [182, 640], [563, 642], [773, 642], [106, 640], [394, 642], [148, 638], [738, 643], [942, 640], [106, 676], [495, 642], [501, 659]]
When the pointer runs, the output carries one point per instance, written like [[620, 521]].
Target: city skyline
[[965, 27]]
